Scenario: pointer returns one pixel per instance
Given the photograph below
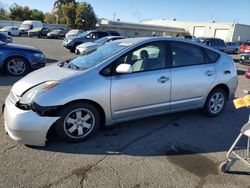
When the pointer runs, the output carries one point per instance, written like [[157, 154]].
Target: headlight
[[39, 55], [34, 92]]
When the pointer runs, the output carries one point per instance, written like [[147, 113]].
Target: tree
[[64, 2], [85, 16], [37, 15], [49, 18], [3, 14], [20, 13], [68, 14]]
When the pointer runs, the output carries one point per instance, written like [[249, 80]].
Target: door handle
[[163, 79], [209, 73], [227, 72]]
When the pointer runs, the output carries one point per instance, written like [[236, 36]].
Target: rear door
[[192, 75]]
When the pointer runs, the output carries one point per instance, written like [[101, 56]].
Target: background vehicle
[[245, 58], [73, 32], [232, 48], [5, 38], [92, 45], [89, 36], [56, 34], [18, 60], [216, 43], [39, 32], [28, 25], [245, 47], [10, 30], [119, 81]]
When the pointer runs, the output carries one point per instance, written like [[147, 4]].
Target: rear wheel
[[78, 122], [16, 66], [215, 102]]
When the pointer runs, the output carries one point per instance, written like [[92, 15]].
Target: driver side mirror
[[124, 68]]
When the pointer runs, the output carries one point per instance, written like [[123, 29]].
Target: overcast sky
[[136, 10]]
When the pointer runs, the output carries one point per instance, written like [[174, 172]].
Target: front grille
[[13, 98]]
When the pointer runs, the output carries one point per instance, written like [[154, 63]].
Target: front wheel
[[16, 66], [215, 103], [78, 122]]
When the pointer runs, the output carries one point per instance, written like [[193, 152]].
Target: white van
[[28, 25]]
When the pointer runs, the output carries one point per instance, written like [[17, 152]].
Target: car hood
[[4, 30], [22, 47], [53, 72], [88, 44]]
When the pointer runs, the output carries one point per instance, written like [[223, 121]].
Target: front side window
[[146, 58], [185, 54]]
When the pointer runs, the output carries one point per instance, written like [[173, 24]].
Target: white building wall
[[209, 28], [241, 33]]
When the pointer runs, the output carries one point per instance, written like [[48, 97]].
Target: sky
[[136, 10]]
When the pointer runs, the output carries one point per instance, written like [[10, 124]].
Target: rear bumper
[[26, 127]]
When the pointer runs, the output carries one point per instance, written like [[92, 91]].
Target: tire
[[9, 33], [16, 66], [225, 166], [215, 103], [78, 122], [235, 51]]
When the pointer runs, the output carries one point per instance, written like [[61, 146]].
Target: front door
[[147, 89]]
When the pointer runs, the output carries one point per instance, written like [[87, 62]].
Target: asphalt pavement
[[175, 150]]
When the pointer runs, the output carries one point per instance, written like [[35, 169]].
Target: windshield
[[75, 31], [95, 56], [246, 44], [25, 26], [56, 31]]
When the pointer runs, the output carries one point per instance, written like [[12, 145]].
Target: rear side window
[[184, 54], [212, 56]]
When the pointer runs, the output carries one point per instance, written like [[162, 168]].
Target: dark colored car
[[5, 38], [245, 58], [57, 33], [89, 36], [38, 32], [18, 60], [216, 43], [245, 47]]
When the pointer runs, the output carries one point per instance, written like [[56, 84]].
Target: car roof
[[141, 40]]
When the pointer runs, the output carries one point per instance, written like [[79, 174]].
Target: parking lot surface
[[175, 150]]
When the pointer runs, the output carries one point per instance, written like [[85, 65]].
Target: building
[[226, 31], [140, 29]]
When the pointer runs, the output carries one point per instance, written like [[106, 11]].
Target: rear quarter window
[[212, 56]]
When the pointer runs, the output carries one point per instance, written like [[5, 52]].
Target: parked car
[[57, 33], [89, 36], [10, 30], [38, 32], [5, 38], [216, 43], [245, 58], [73, 32], [18, 60], [245, 47], [232, 48], [118, 81], [28, 25], [80, 49]]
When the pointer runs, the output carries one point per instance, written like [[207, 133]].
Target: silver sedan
[[119, 81]]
